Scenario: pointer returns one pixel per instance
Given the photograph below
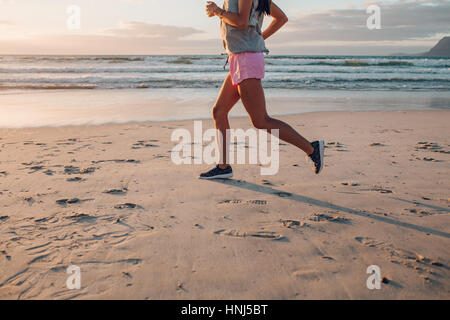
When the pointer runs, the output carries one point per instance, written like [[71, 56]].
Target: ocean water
[[286, 72], [76, 90]]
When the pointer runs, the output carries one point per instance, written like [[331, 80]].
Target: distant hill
[[442, 49]]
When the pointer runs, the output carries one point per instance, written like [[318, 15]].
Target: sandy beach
[[109, 200]]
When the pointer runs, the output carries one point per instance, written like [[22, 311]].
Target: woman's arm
[[239, 19], [279, 20]]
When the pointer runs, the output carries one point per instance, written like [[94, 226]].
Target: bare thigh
[[227, 99], [254, 101]]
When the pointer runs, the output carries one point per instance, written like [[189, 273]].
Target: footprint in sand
[[75, 179], [8, 257], [34, 166], [292, 223], [127, 206], [379, 189], [30, 200], [328, 258], [81, 218], [238, 201], [230, 201], [121, 191], [430, 159], [160, 156], [49, 172], [336, 146], [47, 219], [430, 146], [67, 142], [421, 213], [411, 260], [257, 202], [351, 184], [117, 161], [77, 170], [318, 217], [145, 144], [255, 234], [65, 202], [267, 183]]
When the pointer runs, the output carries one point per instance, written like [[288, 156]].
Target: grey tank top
[[236, 40]]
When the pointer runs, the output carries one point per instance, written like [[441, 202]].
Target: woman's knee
[[261, 122], [219, 112]]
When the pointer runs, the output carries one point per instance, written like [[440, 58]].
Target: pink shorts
[[246, 65]]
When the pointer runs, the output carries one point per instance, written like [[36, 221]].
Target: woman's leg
[[226, 100], [252, 96]]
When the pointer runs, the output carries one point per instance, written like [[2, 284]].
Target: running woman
[[243, 39]]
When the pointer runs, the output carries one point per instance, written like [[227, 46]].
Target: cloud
[[146, 30], [400, 21], [130, 37], [407, 26]]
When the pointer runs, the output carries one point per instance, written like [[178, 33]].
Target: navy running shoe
[[317, 155], [218, 173]]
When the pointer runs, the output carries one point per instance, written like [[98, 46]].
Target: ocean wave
[[190, 71], [395, 63], [47, 86], [88, 79], [433, 63], [207, 70], [343, 61], [78, 70], [181, 60], [367, 80], [79, 59], [111, 59], [362, 63], [185, 68]]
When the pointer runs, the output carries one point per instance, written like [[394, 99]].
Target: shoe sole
[[220, 176], [322, 151]]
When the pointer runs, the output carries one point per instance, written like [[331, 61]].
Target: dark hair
[[264, 6]]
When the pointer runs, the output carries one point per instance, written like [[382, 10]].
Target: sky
[[182, 27]]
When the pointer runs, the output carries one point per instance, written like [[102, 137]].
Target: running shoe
[[317, 156], [218, 173]]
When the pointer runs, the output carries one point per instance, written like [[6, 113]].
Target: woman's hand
[[211, 9], [236, 19]]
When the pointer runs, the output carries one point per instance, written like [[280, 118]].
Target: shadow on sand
[[271, 191]]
